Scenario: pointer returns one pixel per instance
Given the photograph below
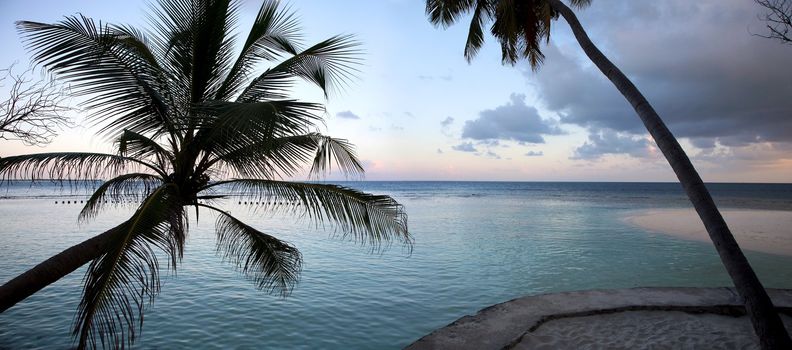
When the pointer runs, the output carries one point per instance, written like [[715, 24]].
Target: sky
[[419, 111]]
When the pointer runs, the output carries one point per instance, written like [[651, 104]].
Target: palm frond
[[136, 41], [331, 151], [273, 33], [199, 47], [69, 166], [229, 126], [580, 3], [124, 188], [481, 14], [134, 145], [369, 219], [330, 65], [446, 12], [123, 280], [268, 159], [286, 156], [100, 63], [274, 265], [520, 27]]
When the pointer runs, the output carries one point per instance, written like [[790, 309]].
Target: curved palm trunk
[[766, 322], [53, 269]]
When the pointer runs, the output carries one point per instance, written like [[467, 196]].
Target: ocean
[[476, 244]]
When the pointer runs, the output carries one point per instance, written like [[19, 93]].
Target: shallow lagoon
[[476, 244]]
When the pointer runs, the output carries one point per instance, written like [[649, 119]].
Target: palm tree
[[520, 26], [191, 122]]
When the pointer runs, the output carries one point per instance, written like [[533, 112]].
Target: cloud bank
[[695, 61], [513, 121]]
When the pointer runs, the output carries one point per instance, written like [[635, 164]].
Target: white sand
[[508, 324], [760, 230], [645, 330]]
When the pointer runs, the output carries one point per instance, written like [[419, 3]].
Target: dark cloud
[[752, 155], [347, 115], [610, 142], [465, 147], [513, 121], [695, 61], [534, 154]]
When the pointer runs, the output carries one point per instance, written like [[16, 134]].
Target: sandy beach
[[636, 318], [759, 230], [645, 330]]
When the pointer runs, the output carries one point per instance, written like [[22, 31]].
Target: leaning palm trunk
[[53, 269], [766, 322]]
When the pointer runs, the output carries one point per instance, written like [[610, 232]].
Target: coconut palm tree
[[520, 26], [193, 122]]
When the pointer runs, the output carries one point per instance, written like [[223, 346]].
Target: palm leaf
[[446, 12], [370, 219], [197, 46], [273, 33], [330, 65], [120, 281], [135, 41], [134, 145], [274, 265], [229, 126], [331, 151], [124, 188], [269, 159], [580, 3], [285, 156], [99, 62], [69, 166], [481, 13], [519, 26]]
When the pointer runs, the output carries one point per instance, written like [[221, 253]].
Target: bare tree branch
[[34, 111], [778, 19]]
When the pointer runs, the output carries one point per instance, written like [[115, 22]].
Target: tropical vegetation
[[194, 119]]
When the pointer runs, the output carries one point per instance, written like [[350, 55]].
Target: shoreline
[[662, 317], [766, 231]]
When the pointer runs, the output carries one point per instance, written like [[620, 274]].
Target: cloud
[[439, 151], [492, 155], [695, 61], [513, 121], [534, 154], [446, 77], [465, 147], [347, 115], [752, 155], [447, 122], [611, 142], [445, 126]]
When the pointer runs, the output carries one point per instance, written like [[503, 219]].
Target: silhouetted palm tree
[[184, 110], [520, 26]]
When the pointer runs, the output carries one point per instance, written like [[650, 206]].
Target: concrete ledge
[[503, 325]]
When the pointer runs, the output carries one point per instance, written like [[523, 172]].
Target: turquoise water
[[476, 244]]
